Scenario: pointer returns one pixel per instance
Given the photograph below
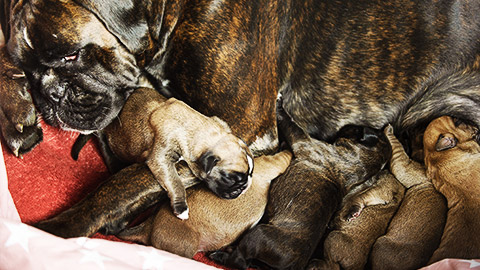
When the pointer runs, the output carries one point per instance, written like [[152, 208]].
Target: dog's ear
[[123, 18], [445, 142], [208, 160]]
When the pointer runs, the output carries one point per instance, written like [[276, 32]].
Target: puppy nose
[[228, 181]]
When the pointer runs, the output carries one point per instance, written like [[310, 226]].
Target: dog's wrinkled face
[[228, 167], [80, 72]]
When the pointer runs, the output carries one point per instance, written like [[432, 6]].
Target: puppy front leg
[[164, 171]]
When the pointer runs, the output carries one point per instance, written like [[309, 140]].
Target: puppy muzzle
[[229, 186]]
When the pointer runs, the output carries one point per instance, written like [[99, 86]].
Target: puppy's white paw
[[183, 215]]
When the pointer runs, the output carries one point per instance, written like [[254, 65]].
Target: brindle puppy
[[298, 212], [415, 231], [452, 156]]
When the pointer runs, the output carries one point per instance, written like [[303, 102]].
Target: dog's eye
[[70, 58]]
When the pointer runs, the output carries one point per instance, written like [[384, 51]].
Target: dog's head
[[79, 57], [444, 134], [227, 167]]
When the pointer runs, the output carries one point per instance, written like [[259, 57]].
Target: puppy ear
[[123, 18], [445, 142], [208, 160]]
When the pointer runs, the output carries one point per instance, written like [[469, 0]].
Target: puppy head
[[365, 150], [79, 68], [227, 167], [446, 133]]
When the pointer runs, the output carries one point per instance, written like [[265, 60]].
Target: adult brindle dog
[[336, 63]]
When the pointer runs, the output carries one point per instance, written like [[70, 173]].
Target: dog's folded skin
[[452, 155]]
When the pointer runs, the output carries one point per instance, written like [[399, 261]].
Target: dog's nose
[[55, 93], [52, 89]]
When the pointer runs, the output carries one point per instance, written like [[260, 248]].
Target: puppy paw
[[181, 210]]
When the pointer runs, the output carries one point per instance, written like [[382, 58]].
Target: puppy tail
[[139, 234], [288, 129], [454, 92]]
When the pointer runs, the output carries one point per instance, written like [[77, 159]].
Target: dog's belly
[[336, 63]]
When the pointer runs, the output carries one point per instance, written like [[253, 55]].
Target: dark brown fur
[[455, 172], [107, 215], [415, 231], [17, 113]]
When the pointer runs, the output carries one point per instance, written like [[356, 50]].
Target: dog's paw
[[180, 209], [18, 117], [317, 264], [20, 142], [231, 260]]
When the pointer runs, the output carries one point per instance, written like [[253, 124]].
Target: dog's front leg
[[18, 118]]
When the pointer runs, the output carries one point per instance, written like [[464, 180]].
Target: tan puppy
[[415, 231], [364, 216], [452, 158], [160, 132], [214, 222]]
